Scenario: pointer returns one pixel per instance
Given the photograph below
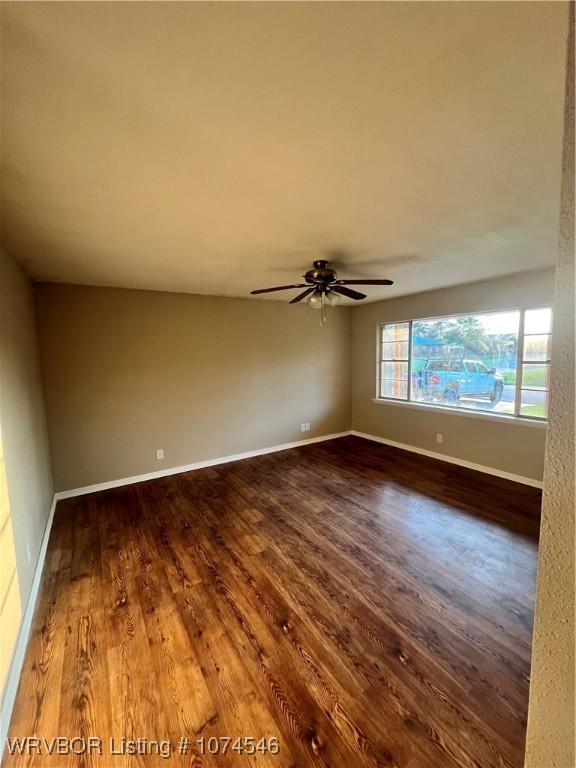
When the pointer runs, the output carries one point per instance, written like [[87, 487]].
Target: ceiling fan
[[323, 288]]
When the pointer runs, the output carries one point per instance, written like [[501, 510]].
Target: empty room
[[287, 384]]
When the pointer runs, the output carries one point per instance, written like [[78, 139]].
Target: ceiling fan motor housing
[[321, 274]]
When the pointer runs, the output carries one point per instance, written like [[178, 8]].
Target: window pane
[[394, 371], [397, 350], [538, 320], [395, 347], [466, 361], [535, 376], [537, 347], [394, 388], [534, 404], [395, 332]]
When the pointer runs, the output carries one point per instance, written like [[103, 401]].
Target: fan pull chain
[[322, 310]]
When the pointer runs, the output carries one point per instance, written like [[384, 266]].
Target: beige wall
[[552, 713], [25, 476], [515, 448], [127, 372]]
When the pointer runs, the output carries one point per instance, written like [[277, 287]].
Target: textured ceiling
[[214, 148]]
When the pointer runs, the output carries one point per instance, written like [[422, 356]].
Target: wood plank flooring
[[363, 605]]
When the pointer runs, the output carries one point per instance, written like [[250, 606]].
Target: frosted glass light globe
[[315, 301], [333, 298]]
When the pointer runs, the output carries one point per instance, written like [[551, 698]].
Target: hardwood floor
[[366, 606]]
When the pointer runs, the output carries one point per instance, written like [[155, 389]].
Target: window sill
[[501, 418]]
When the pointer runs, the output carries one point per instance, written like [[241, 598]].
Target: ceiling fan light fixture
[[333, 298]]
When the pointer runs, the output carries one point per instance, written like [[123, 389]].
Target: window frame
[[382, 359], [478, 413]]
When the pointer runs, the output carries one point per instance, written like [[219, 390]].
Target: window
[[497, 362]]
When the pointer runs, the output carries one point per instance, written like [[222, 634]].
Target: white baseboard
[[452, 460], [196, 465], [24, 633], [284, 447]]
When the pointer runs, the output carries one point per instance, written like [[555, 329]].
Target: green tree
[[466, 332], [433, 329]]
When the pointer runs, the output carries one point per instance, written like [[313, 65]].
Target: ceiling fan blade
[[303, 295], [278, 288], [364, 282], [347, 292]]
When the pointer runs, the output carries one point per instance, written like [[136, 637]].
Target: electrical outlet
[[28, 553], [302, 427], [439, 437], [307, 426], [159, 454]]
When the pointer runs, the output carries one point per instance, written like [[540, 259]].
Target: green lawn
[[533, 377], [534, 411]]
